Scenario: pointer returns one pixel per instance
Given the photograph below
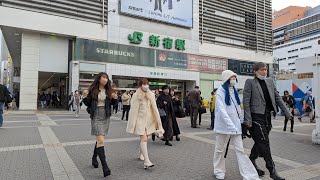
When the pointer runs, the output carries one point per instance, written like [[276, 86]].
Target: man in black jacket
[[4, 98], [290, 102]]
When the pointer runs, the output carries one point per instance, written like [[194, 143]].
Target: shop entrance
[[125, 83], [53, 87]]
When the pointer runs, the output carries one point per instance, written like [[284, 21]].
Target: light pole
[[316, 132]]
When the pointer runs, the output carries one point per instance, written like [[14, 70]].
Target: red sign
[[204, 63]]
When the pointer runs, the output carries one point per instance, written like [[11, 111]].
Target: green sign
[[157, 84], [171, 59], [154, 41], [90, 50]]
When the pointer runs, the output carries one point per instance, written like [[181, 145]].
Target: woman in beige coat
[[144, 118]]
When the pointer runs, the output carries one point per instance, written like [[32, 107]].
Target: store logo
[[158, 4], [162, 57]]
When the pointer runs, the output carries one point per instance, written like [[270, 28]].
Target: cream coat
[[144, 114]]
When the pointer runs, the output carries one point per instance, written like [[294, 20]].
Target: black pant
[[212, 119], [194, 116], [126, 108], [261, 127], [199, 118], [286, 122]]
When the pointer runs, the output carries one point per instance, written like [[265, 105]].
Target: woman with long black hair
[[99, 99]]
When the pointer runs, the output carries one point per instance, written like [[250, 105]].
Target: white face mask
[[233, 82], [261, 77], [145, 88]]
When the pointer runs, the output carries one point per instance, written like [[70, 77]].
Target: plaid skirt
[[100, 123]]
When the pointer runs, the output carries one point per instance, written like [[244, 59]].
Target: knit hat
[[227, 74]]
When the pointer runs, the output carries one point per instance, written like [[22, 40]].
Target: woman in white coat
[[227, 125], [144, 118]]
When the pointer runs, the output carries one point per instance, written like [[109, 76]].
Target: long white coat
[[227, 120], [144, 114]]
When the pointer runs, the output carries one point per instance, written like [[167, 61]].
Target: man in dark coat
[[5, 98], [259, 100], [194, 98], [164, 102]]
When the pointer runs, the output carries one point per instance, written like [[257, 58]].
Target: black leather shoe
[[177, 138], [274, 175], [259, 171]]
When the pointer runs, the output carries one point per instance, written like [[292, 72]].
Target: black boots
[[95, 163], [102, 156], [168, 143], [177, 138], [274, 175], [260, 172]]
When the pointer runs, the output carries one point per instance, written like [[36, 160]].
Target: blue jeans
[[1, 113]]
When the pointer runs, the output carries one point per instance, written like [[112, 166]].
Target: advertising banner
[[90, 50], [242, 67], [178, 12], [171, 59], [209, 64]]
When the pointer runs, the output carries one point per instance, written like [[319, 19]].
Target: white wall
[[52, 24], [30, 50], [305, 65], [141, 71], [236, 53], [53, 54]]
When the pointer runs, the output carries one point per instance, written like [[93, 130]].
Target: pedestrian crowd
[[155, 114]]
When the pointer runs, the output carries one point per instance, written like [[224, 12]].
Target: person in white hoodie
[[227, 126]]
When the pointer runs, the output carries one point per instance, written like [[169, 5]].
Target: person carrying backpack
[[307, 107]]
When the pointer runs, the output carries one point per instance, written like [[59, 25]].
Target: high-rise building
[[288, 15], [296, 40], [59, 46]]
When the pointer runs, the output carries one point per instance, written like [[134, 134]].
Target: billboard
[[171, 59], [90, 50], [208, 64], [178, 12]]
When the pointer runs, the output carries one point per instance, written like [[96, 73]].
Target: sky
[[280, 4]]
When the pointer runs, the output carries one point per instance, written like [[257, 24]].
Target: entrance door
[[52, 89]]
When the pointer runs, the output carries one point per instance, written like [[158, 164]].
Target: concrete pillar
[[75, 72], [316, 92], [30, 60]]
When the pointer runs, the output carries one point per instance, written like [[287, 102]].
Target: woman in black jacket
[[176, 104], [164, 102], [99, 99], [291, 102]]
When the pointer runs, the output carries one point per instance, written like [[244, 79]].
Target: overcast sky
[[280, 4]]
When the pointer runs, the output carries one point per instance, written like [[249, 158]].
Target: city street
[[56, 145]]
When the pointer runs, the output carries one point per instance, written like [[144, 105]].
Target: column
[[30, 60], [316, 92], [75, 73]]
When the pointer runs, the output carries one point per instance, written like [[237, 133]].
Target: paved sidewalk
[[56, 145]]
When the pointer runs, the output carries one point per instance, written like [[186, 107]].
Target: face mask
[[145, 88], [261, 77], [233, 82], [166, 91]]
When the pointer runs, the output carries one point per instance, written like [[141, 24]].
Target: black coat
[[175, 125], [169, 122], [92, 104]]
